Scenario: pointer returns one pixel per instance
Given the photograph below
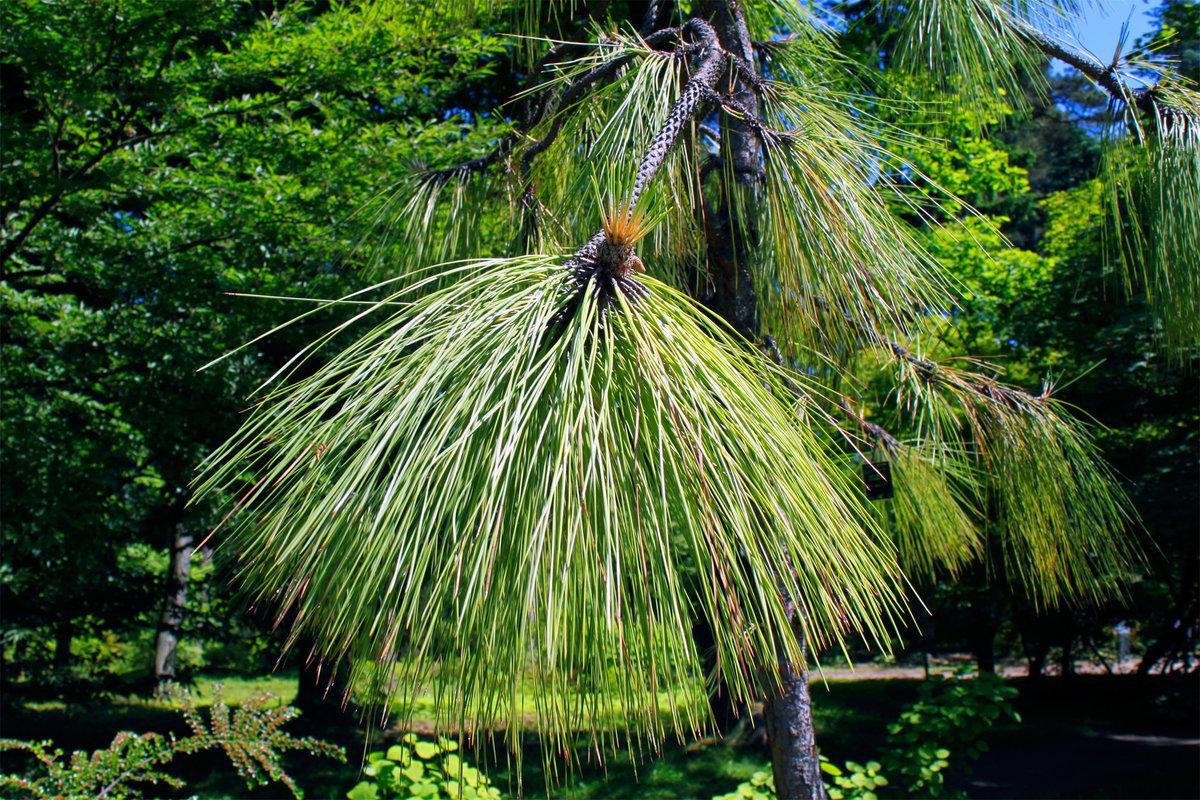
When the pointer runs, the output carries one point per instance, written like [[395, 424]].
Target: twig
[[875, 432]]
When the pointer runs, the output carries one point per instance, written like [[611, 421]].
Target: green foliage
[[949, 720], [761, 786], [157, 158], [505, 408], [853, 781], [249, 735], [1155, 189], [932, 515], [969, 46], [422, 768]]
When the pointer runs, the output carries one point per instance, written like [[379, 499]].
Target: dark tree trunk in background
[[983, 646], [322, 692], [1066, 663], [1037, 660], [1176, 636], [986, 606], [62, 643], [724, 715], [170, 622]]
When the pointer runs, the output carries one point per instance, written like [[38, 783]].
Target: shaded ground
[[1088, 737], [1097, 737]]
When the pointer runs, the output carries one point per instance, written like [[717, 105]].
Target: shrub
[[250, 735], [424, 769]]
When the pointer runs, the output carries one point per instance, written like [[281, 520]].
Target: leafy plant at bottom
[[761, 786], [950, 716], [424, 769], [852, 781], [249, 735]]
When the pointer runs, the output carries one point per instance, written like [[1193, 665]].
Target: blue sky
[[1099, 28]]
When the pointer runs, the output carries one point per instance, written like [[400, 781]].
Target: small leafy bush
[[761, 786], [949, 719], [249, 735], [853, 781], [422, 769]]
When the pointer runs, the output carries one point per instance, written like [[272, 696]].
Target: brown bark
[[790, 733], [170, 622]]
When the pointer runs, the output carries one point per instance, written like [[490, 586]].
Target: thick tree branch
[[1105, 76]]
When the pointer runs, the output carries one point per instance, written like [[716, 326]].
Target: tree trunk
[[1037, 660], [322, 692], [1066, 663], [731, 251], [983, 645], [790, 734], [720, 706], [62, 643], [170, 622], [1176, 633]]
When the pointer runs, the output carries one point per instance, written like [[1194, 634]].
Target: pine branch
[[692, 101], [576, 90], [1107, 77], [876, 433], [747, 117], [572, 93]]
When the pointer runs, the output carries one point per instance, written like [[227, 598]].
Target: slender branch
[[748, 117], [576, 89], [13, 243], [692, 101], [572, 93], [874, 432], [746, 70], [65, 186], [1105, 76], [467, 168]]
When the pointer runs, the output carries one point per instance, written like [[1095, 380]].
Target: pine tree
[[543, 465]]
